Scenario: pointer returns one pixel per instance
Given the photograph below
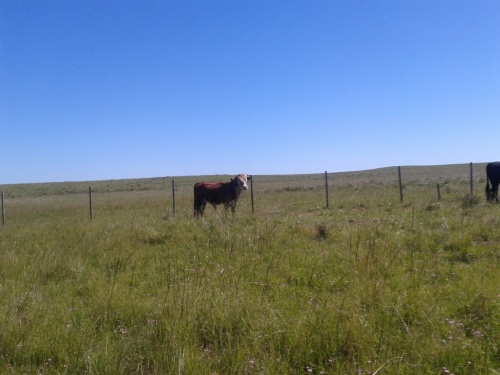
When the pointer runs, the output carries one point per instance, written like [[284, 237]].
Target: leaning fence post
[[400, 185], [90, 202], [251, 192], [173, 196], [326, 187], [471, 178], [3, 212]]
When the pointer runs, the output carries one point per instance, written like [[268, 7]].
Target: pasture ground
[[367, 286]]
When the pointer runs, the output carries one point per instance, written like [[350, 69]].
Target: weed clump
[[321, 231], [433, 207], [470, 201]]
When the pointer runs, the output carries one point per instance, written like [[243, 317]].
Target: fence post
[[3, 212], [471, 178], [439, 192], [251, 192], [90, 202], [400, 185], [326, 187], [173, 195]]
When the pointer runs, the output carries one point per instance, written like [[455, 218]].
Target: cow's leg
[[495, 192], [199, 208], [196, 209]]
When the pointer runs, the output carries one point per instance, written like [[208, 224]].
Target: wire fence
[[435, 177]]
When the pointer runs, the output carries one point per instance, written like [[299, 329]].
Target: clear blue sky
[[96, 90]]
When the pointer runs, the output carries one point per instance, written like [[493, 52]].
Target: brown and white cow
[[226, 193]]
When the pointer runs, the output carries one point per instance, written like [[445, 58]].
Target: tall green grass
[[367, 286]]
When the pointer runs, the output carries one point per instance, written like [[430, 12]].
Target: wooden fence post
[[326, 188], [439, 192], [251, 192], [3, 212], [400, 185], [90, 203], [173, 196], [471, 179]]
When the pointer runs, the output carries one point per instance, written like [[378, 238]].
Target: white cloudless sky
[[96, 90]]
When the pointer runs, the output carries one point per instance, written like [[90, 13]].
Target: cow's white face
[[242, 180]]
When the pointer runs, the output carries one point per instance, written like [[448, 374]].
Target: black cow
[[226, 193], [493, 177]]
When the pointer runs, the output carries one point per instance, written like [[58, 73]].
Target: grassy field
[[369, 285]]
